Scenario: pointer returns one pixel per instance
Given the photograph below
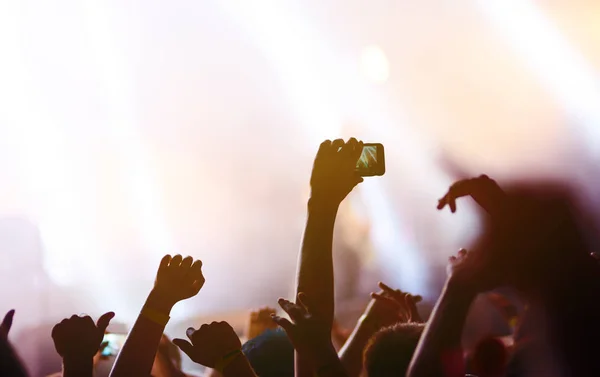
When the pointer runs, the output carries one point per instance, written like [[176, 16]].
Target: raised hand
[[482, 189], [7, 324], [395, 304], [260, 321], [178, 278], [79, 337], [334, 170], [310, 335], [210, 343]]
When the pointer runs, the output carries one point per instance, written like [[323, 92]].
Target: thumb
[[185, 346], [104, 320], [7, 323]]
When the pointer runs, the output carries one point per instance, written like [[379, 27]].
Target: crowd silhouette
[[537, 244]]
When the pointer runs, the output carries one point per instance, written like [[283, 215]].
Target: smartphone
[[371, 161], [114, 342]]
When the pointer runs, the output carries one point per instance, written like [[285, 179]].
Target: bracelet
[[155, 316], [224, 361]]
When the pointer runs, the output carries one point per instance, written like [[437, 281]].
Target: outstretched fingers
[[284, 323]]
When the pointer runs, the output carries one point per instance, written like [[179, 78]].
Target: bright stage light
[[374, 64], [550, 56]]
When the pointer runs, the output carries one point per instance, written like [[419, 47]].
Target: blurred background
[[134, 128]]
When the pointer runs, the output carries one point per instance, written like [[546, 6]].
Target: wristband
[[224, 361], [155, 316]]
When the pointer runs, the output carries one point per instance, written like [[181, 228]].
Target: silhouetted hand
[[7, 323], [79, 337], [178, 278], [395, 305], [482, 189], [334, 170], [209, 343], [310, 335], [259, 321]]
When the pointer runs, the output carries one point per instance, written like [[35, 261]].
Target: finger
[[284, 323], [88, 321], [164, 262], [385, 299], [413, 312], [442, 202], [293, 310], [104, 321], [304, 301], [452, 204], [386, 288], [462, 253], [324, 148], [175, 261], [185, 346], [336, 145], [416, 299], [190, 333], [7, 322], [452, 259], [186, 263], [195, 271]]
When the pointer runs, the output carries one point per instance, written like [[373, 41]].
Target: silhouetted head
[[271, 354], [390, 350], [540, 237]]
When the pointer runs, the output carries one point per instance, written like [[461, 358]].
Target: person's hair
[[271, 354], [389, 351]]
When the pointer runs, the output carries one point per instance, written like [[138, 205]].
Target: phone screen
[[368, 158], [114, 343], [371, 161]]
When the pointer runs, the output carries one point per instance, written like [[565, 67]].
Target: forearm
[[315, 267], [439, 351], [328, 364], [315, 264], [78, 368], [351, 353], [240, 367], [137, 355]]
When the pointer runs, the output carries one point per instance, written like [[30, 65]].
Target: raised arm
[[218, 347], [77, 340], [333, 177], [177, 279], [439, 352]]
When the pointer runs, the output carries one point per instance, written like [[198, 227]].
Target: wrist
[[78, 366], [326, 355], [159, 301], [459, 290], [322, 203], [231, 361]]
